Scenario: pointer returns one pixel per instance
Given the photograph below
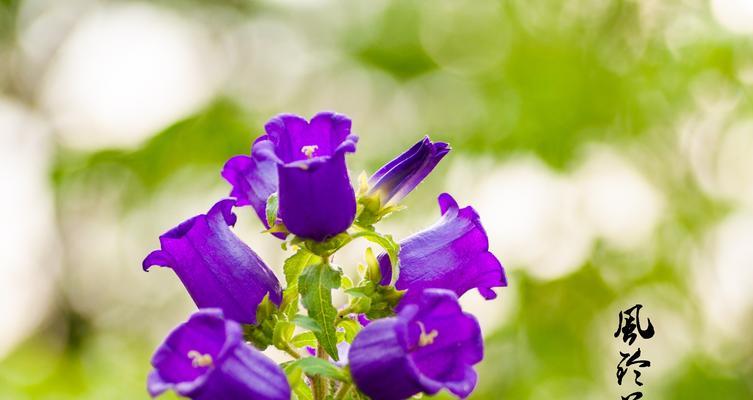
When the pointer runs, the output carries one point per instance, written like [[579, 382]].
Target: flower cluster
[[402, 331]]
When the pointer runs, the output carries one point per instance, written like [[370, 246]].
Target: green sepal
[[374, 300], [271, 208], [370, 210], [373, 272], [315, 285], [261, 335], [360, 302], [350, 328], [270, 212], [282, 333], [389, 245], [329, 246]]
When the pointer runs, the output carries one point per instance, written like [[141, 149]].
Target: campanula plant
[[402, 331]]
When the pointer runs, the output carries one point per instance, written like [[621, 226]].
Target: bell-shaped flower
[[316, 199], [216, 267], [392, 182], [451, 254], [206, 358], [254, 179], [431, 344]]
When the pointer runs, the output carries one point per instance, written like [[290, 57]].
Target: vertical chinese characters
[[630, 327]]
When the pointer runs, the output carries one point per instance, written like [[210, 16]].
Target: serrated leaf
[[295, 264], [316, 284], [319, 367], [292, 268]]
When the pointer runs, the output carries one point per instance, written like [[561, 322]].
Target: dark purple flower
[[431, 344], [451, 254], [205, 358], [215, 266], [254, 179], [316, 200], [400, 176]]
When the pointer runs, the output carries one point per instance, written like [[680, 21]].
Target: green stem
[[318, 382], [321, 353], [290, 350], [343, 391], [344, 312]]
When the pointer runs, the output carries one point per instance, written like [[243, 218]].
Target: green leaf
[[319, 367], [304, 339], [294, 374], [388, 244], [345, 282], [350, 328], [307, 323], [292, 268], [295, 264], [316, 284]]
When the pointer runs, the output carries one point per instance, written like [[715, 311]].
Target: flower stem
[[344, 312], [319, 383], [343, 391], [290, 350], [321, 353]]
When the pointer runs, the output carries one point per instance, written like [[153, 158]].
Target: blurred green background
[[606, 144]]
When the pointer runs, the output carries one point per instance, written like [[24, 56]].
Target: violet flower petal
[[205, 358], [316, 199], [397, 178], [254, 179], [430, 345], [451, 254], [215, 266]]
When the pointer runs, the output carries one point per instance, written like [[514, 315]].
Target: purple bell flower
[[205, 358], [215, 266], [397, 178], [451, 254], [254, 179], [316, 199], [431, 344]]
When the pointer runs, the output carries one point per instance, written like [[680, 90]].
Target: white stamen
[[309, 150], [199, 360], [426, 339]]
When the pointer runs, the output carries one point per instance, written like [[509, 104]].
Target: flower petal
[[316, 199], [206, 358], [430, 345], [452, 254], [215, 266], [397, 178], [253, 178]]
